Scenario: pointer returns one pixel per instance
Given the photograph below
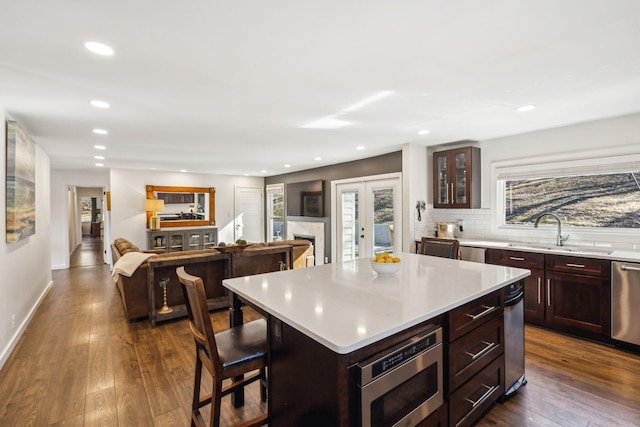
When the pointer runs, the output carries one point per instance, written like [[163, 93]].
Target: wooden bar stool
[[225, 355], [444, 248]]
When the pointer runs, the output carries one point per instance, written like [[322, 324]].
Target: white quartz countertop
[[347, 306], [569, 250]]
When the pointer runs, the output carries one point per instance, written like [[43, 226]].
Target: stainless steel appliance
[[404, 386], [625, 300], [468, 253], [447, 230], [514, 337]]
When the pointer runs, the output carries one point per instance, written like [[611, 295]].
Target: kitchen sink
[[575, 250]]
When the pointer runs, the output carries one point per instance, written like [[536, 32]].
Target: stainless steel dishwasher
[[625, 300], [514, 337]]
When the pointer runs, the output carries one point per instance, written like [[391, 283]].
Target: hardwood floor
[[88, 253], [81, 363]]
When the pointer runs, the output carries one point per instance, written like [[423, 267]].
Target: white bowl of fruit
[[385, 264]]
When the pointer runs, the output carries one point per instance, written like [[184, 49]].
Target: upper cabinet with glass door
[[456, 178]]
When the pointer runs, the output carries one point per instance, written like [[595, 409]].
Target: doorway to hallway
[[88, 253]]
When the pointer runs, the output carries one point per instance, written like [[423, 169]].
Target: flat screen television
[[306, 198]]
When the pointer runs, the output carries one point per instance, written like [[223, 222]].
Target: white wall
[[63, 237], [602, 138], [414, 188], [128, 193], [25, 266]]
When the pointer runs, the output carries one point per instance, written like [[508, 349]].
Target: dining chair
[[225, 355], [445, 248]]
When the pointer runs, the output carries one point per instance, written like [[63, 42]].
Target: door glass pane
[[383, 233], [461, 178], [176, 242], [442, 180], [276, 215], [350, 225]]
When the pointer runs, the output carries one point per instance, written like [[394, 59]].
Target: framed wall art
[[21, 184]]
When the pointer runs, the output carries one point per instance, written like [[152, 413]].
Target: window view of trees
[[600, 201]]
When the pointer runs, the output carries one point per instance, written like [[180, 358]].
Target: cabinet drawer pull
[[483, 397], [539, 289], [486, 311], [516, 258], [575, 265], [549, 292], [488, 346], [453, 200]]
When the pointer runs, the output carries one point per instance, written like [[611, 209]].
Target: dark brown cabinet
[[534, 291], [579, 294], [456, 178], [565, 293], [476, 358]]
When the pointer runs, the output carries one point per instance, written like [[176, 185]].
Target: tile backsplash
[[477, 225]]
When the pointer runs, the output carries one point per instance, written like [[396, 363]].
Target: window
[[602, 195], [275, 212]]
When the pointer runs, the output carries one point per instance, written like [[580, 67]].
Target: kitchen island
[[325, 320]]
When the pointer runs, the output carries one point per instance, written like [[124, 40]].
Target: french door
[[368, 217]]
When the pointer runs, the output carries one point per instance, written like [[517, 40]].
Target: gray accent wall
[[386, 163]]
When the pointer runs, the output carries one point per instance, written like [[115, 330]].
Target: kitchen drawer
[[440, 418], [471, 400], [475, 350], [518, 259], [473, 314], [578, 265]]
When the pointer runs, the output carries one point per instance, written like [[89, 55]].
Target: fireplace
[[312, 229], [308, 237]]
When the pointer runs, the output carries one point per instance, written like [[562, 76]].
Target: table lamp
[[155, 206]]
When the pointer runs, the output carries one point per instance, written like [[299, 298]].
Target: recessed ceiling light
[[423, 132], [183, 170], [360, 147], [99, 48], [264, 171], [287, 166], [525, 108], [100, 131], [98, 157], [99, 104], [99, 165], [99, 147], [317, 159]]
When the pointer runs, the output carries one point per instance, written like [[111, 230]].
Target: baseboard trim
[[6, 353]]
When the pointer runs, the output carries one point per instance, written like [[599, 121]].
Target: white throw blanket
[[128, 263]]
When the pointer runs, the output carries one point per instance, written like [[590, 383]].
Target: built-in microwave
[[403, 386]]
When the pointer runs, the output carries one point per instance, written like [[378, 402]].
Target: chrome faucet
[[560, 239]]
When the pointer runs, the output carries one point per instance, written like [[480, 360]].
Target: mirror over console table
[[184, 206]]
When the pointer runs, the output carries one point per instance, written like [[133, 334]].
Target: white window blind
[[599, 166]]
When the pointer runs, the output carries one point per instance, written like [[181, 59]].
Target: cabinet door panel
[[534, 297], [441, 181], [460, 181], [580, 302]]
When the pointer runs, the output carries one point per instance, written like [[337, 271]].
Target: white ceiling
[[224, 86]]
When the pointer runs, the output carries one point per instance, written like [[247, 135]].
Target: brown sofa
[[211, 264]]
